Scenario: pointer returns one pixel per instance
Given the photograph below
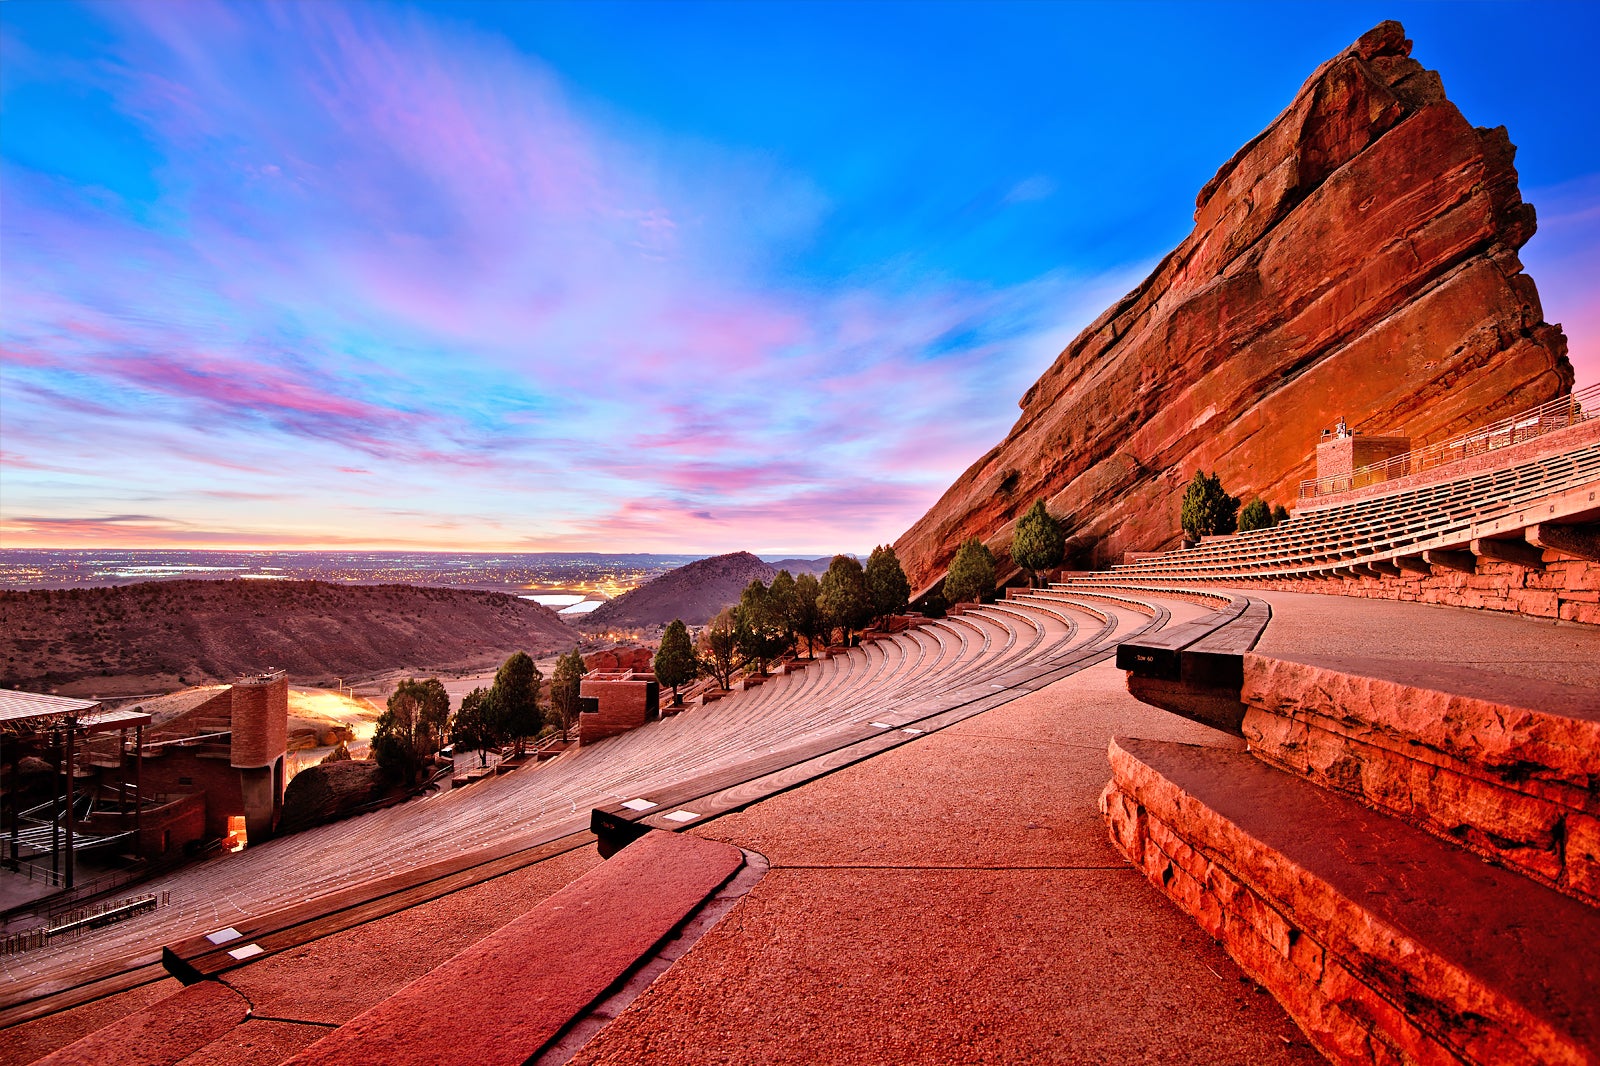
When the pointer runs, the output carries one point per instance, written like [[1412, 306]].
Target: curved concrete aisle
[[956, 900]]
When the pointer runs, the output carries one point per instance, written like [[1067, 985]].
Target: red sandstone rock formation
[[1358, 258], [328, 791], [624, 658]]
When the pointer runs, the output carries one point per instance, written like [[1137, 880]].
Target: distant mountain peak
[[694, 593]]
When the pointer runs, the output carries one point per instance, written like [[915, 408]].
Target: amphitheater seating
[[1397, 529], [813, 718]]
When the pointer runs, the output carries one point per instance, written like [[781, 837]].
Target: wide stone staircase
[[1407, 855]]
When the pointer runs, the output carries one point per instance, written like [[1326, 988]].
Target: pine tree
[[763, 636], [516, 698], [475, 724], [805, 615], [1038, 542], [970, 578], [719, 647], [564, 688], [1207, 509], [843, 599], [411, 728], [675, 663], [887, 587]]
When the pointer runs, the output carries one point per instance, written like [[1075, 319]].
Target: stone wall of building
[[615, 704], [180, 771], [260, 719]]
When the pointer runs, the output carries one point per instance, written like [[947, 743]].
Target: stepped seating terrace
[[902, 677], [754, 745], [1393, 529]]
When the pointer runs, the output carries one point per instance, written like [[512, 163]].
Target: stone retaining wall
[[1567, 589], [1513, 783]]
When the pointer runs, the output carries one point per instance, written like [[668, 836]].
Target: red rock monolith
[[1356, 259]]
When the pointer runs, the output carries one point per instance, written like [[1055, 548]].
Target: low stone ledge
[[1505, 766], [167, 1031], [514, 992], [1384, 943]]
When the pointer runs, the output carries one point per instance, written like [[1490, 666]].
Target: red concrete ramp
[[512, 993], [162, 1034]]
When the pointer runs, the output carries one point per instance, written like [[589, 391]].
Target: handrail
[[1527, 425]]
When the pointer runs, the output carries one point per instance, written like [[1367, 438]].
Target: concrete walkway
[[1539, 648], [952, 901], [956, 900]]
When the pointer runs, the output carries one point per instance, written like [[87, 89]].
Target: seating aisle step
[[1385, 943]]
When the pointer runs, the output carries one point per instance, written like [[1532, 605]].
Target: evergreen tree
[[675, 663], [411, 728], [805, 615], [970, 578], [887, 587], [475, 724], [1038, 542], [516, 698], [1255, 515], [1279, 514], [760, 627], [1208, 510], [843, 600], [564, 682], [719, 647], [781, 593]]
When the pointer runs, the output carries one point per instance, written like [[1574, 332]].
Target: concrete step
[[1384, 943]]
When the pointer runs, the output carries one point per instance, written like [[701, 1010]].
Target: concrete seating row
[[1396, 531], [898, 678]]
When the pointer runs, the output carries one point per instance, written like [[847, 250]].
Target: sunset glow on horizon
[[613, 277]]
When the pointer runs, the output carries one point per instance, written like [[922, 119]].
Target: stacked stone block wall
[[260, 720], [1330, 995], [1566, 589], [178, 771], [1514, 785], [1341, 456], [622, 704], [166, 829]]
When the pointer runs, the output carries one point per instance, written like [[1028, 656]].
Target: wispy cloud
[[353, 255]]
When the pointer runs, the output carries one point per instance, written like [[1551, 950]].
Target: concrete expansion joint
[[1040, 741], [250, 1014], [253, 1017]]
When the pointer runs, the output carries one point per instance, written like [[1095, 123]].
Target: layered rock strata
[[1356, 259]]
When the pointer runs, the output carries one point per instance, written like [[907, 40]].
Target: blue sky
[[669, 277]]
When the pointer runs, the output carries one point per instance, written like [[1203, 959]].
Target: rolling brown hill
[[694, 593], [162, 634]]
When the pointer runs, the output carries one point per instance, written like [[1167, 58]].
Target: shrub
[[1255, 515]]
